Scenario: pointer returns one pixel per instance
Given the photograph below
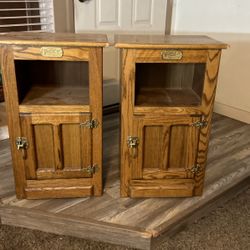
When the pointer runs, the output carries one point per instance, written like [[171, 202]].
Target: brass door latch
[[22, 144], [133, 143]]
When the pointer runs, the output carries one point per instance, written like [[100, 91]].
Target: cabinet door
[[164, 159], [57, 158]]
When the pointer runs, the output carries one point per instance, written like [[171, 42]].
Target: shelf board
[[58, 95], [161, 97]]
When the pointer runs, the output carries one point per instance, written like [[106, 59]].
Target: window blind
[[26, 15]]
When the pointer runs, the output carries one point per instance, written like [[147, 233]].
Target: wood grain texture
[[167, 150], [153, 111], [209, 91], [161, 188], [64, 188], [166, 41], [139, 222], [96, 100], [55, 98], [52, 82], [39, 95], [34, 53], [67, 145], [153, 89], [131, 236], [54, 39], [146, 55], [54, 109], [159, 97], [11, 100], [127, 97]]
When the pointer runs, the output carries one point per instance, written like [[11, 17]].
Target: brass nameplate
[[171, 55], [51, 52]]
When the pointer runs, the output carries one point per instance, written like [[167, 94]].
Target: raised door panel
[[162, 164], [150, 15], [108, 13], [59, 146]]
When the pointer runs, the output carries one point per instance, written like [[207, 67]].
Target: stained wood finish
[[58, 188], [207, 105], [39, 95], [54, 39], [67, 145], [166, 97], [34, 53], [155, 55], [49, 101], [161, 188], [167, 149], [52, 82], [96, 100], [12, 109], [169, 84], [54, 108], [127, 97], [163, 41], [156, 94], [141, 223]]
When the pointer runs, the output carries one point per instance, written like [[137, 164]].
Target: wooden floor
[[140, 223]]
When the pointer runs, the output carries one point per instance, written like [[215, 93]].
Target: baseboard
[[232, 112], [4, 134]]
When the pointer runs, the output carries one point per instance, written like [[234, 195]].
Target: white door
[[118, 16], [121, 15]]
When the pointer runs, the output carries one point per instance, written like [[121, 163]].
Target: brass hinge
[[22, 144], [133, 143], [91, 169], [90, 124], [196, 169], [200, 124]]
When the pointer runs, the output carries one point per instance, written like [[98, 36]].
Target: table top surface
[[167, 41], [54, 39]]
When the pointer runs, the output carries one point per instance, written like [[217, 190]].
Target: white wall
[[228, 21]]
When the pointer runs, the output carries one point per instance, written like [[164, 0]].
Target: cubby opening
[[169, 84], [52, 82]]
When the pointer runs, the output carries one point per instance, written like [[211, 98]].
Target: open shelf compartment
[[52, 82], [169, 84]]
